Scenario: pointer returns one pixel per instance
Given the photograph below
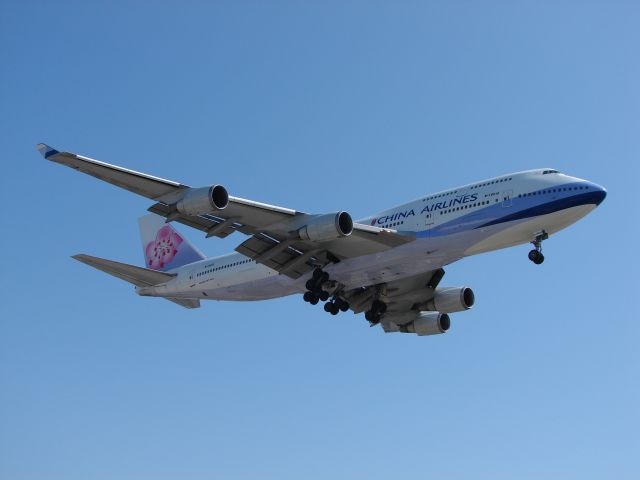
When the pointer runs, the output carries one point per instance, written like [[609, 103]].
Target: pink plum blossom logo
[[163, 249]]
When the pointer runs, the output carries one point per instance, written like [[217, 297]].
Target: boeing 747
[[388, 266]]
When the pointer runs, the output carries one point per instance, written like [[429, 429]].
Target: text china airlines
[[461, 200]]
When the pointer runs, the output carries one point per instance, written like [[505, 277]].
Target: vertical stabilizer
[[163, 247]]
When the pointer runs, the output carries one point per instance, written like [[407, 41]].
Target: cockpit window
[[550, 171]]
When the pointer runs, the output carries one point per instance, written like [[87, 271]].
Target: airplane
[[388, 265]]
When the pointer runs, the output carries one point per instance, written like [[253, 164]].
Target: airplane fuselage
[[449, 225]]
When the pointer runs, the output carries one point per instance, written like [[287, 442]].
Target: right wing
[[274, 231], [243, 215]]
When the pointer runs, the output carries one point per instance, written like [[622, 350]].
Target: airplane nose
[[599, 194]]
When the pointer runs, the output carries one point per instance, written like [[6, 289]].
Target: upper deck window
[[550, 171]]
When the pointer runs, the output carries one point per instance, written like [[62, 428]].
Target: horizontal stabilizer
[[185, 302], [139, 276]]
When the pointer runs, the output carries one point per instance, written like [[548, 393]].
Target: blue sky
[[318, 107]]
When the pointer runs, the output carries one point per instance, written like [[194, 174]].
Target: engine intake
[[199, 201], [324, 228], [450, 299]]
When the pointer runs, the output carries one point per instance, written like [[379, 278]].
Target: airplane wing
[[275, 238], [405, 299], [400, 296]]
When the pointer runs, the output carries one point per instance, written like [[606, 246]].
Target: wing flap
[[210, 224], [290, 256]]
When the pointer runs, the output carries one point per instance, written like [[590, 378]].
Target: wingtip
[[45, 150]]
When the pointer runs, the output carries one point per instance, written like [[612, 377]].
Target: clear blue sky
[[316, 106]]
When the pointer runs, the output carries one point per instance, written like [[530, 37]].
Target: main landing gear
[[315, 293], [375, 313], [536, 255], [336, 305]]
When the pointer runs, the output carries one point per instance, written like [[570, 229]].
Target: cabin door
[[506, 198], [428, 222]]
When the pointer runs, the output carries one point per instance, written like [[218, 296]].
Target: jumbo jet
[[388, 265]]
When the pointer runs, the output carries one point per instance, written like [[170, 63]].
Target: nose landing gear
[[536, 255]]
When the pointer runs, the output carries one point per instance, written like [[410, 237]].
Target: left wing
[[400, 296], [286, 240], [411, 305]]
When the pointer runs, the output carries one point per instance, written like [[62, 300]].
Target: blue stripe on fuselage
[[526, 206], [588, 198]]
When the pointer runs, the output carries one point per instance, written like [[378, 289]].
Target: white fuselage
[[449, 225]]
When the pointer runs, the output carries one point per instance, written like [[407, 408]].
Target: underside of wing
[[286, 240], [146, 185], [399, 296], [411, 305], [291, 256]]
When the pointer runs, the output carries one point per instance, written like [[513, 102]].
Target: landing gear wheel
[[324, 296], [316, 273], [314, 299], [536, 257], [307, 296], [343, 306], [379, 307], [311, 285], [334, 309], [327, 307]]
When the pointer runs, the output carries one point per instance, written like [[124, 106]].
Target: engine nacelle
[[199, 201], [324, 228], [450, 299], [432, 323]]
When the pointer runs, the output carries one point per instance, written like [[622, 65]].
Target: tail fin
[[163, 247]]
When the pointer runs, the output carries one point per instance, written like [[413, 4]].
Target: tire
[[539, 259], [311, 285], [533, 255], [369, 316], [324, 296], [334, 309], [344, 306], [307, 296], [314, 299], [328, 308], [379, 307], [317, 273]]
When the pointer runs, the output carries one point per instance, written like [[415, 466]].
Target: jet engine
[[324, 228], [422, 324], [199, 201], [431, 323], [450, 299]]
